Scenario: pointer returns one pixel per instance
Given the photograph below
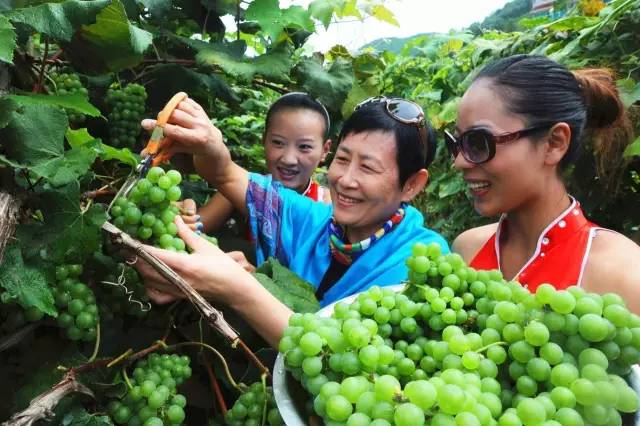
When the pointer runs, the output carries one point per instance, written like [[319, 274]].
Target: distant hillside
[[391, 44], [505, 19]]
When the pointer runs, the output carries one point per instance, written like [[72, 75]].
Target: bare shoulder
[[470, 241], [614, 266]]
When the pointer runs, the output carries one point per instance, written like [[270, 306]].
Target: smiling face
[[364, 182], [294, 146], [518, 171]]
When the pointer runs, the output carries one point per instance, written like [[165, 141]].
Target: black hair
[[298, 100], [412, 154], [545, 92]]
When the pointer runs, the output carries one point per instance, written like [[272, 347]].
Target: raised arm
[[192, 132]]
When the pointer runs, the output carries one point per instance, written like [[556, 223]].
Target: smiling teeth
[[347, 199], [478, 185]]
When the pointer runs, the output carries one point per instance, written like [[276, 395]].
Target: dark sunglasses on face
[[478, 146]]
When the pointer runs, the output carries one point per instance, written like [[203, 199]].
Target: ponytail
[[607, 123]]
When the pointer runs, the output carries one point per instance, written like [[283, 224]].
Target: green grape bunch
[[126, 108], [76, 303], [68, 84], [459, 346], [148, 212], [249, 408], [152, 398]]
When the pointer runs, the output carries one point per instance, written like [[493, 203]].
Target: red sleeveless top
[[561, 253]]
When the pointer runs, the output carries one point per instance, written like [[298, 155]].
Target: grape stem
[[218, 354], [263, 379], [37, 88], [97, 345], [120, 358], [126, 377], [484, 348]]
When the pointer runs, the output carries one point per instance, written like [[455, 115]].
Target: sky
[[414, 16]]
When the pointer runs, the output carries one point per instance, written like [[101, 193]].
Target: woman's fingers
[[159, 297], [191, 239], [188, 207], [148, 124], [241, 259], [190, 107]]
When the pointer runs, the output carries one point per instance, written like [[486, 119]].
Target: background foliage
[[63, 173]]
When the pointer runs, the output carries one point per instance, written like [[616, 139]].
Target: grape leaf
[[111, 44], [629, 91], [331, 86], [7, 40], [287, 287], [274, 64], [59, 20], [35, 141], [383, 14], [35, 134], [77, 102], [7, 107], [80, 417], [67, 233], [633, 150], [81, 137], [357, 94], [23, 284], [273, 20], [323, 10]]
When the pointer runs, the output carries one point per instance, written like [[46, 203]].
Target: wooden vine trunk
[[9, 207]]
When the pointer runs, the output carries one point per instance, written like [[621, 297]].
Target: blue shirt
[[295, 230]]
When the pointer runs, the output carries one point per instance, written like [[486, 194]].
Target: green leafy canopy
[[59, 20], [111, 44], [34, 140], [274, 20]]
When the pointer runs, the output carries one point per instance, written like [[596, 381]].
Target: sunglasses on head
[[404, 111], [478, 146], [399, 109]]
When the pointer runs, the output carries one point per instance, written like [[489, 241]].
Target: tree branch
[[41, 407], [9, 207]]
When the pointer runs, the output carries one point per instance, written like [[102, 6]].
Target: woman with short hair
[[361, 239]]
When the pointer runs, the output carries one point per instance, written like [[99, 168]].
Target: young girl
[[519, 124], [295, 142]]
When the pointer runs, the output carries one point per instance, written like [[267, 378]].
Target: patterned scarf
[[348, 253]]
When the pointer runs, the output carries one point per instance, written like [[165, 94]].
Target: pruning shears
[[156, 150]]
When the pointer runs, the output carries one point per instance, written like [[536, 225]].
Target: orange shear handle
[[157, 146]]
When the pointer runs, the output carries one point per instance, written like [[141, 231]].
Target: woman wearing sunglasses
[[520, 124], [361, 239]]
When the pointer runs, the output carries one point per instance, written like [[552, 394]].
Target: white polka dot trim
[[541, 254], [562, 224], [545, 241], [576, 212]]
